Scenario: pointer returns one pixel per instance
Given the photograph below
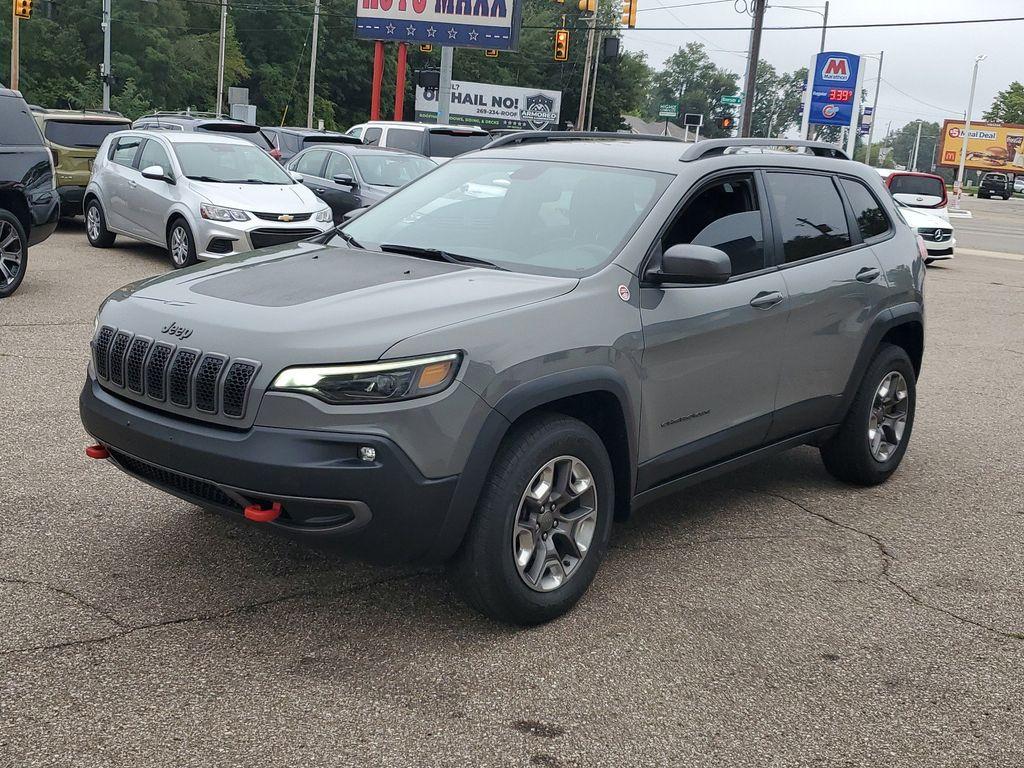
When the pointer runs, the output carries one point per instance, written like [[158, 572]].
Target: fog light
[[367, 454]]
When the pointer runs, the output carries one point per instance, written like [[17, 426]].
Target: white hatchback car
[[200, 196]]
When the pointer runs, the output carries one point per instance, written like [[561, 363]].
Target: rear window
[[405, 138], [452, 143], [916, 185], [71, 133], [17, 127], [242, 131], [999, 177], [810, 214]]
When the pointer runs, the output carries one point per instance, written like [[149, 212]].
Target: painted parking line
[[990, 254]]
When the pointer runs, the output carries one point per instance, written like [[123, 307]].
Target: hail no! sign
[[490, 24]]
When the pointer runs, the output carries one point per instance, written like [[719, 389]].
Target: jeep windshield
[[229, 163], [526, 215]]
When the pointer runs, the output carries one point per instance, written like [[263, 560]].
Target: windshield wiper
[[438, 255], [349, 240], [206, 178]]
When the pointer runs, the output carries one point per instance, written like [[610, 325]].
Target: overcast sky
[[930, 65]]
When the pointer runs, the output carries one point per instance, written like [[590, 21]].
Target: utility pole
[[220, 59], [444, 89], [754, 54], [967, 126], [15, 48], [874, 108], [824, 29], [312, 62], [105, 75], [917, 145], [581, 121], [593, 91]]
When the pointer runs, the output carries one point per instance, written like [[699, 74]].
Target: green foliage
[[1008, 105], [902, 143], [779, 100], [691, 80]]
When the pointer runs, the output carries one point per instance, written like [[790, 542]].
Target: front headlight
[[220, 213], [324, 215], [382, 382]]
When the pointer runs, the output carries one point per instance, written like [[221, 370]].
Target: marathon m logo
[[836, 68]]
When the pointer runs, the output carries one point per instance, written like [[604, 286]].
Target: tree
[[778, 100], [691, 80], [1008, 105], [902, 143]]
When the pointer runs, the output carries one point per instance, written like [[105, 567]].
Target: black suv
[[29, 207], [995, 185]]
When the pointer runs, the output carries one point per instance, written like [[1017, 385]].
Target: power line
[[920, 101], [685, 5]]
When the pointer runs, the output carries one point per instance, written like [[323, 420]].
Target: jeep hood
[[310, 303]]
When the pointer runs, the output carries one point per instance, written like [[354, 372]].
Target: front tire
[[13, 253], [542, 523], [873, 437], [96, 226], [181, 245]]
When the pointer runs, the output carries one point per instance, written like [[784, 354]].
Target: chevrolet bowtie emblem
[[286, 217]]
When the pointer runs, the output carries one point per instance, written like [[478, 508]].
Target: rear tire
[[181, 245], [873, 437], [96, 226], [13, 253], [531, 553]]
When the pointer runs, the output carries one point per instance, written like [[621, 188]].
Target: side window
[[125, 150], [311, 163], [810, 214], [405, 138], [871, 219], [372, 136], [338, 164], [153, 154], [357, 131], [726, 216]]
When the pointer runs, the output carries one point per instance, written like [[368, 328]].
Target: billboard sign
[[494, 106], [834, 89], [488, 24], [990, 146], [668, 110]]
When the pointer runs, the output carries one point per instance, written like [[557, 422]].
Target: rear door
[[712, 352], [118, 178], [152, 198], [825, 227], [341, 197]]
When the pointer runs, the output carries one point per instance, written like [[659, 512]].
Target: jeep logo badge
[[176, 330]]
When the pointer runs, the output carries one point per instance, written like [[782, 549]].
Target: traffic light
[[629, 13], [587, 6], [426, 48], [23, 9], [491, 53], [727, 123], [562, 44]]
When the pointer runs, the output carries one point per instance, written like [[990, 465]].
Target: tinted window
[[916, 185], [68, 133], [337, 163], [17, 127], [241, 130], [442, 144], [724, 216], [311, 163], [372, 136], [998, 177], [810, 214], [125, 150], [391, 169], [871, 219], [405, 138], [354, 132], [153, 154]]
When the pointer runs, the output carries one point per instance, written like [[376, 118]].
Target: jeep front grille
[[182, 377]]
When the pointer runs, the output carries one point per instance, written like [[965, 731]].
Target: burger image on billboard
[[990, 146]]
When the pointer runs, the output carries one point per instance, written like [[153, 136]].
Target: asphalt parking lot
[[773, 617]]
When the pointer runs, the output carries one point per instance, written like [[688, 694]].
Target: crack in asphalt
[[125, 629], [888, 558]]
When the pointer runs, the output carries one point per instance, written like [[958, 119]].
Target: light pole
[[967, 125], [917, 145], [220, 55], [874, 110], [821, 48], [312, 63]]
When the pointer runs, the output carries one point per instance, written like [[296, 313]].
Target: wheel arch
[[15, 202]]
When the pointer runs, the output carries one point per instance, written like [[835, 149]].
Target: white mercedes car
[[200, 196], [936, 232]]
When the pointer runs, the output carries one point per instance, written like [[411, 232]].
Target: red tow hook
[[97, 452], [258, 514]]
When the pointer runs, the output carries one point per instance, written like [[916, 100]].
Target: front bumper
[[217, 239], [383, 510]]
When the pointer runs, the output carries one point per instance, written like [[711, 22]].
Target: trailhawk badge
[[539, 111]]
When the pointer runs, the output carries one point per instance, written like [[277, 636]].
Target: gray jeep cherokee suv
[[489, 365]]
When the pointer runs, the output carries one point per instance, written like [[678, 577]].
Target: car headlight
[[383, 382], [324, 215], [220, 213]]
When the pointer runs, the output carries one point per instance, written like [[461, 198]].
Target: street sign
[[487, 24], [668, 110], [734, 100], [693, 119]]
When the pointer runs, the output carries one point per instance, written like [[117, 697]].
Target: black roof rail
[[524, 137], [709, 147]]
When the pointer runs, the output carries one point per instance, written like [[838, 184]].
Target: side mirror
[[156, 173], [344, 179], [353, 214], [696, 264], [297, 177]]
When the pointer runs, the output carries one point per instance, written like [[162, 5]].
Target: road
[[770, 618]]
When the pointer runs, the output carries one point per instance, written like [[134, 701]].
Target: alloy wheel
[[92, 222], [888, 418], [555, 523], [179, 246], [10, 253]]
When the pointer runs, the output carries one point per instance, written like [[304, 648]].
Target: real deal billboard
[[494, 106], [456, 23], [990, 146]]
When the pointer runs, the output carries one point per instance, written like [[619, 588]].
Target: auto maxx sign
[[494, 106], [490, 24]]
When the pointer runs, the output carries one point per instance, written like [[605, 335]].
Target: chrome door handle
[[867, 274], [317, 189], [766, 299], [133, 184]]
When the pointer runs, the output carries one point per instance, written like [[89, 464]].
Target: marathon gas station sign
[[457, 23], [834, 93]]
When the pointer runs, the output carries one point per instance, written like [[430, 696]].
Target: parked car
[[207, 121], [291, 141], [438, 142], [935, 231], [73, 137], [201, 196], [918, 190], [995, 185], [29, 206], [451, 377], [350, 177], [1018, 184]]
